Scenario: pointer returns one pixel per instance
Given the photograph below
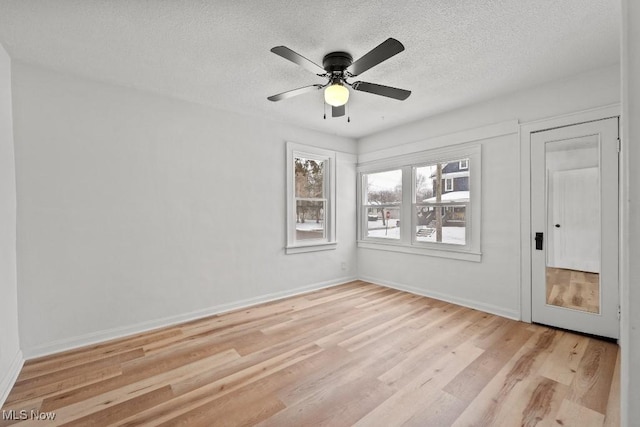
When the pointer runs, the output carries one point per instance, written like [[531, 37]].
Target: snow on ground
[[451, 235], [310, 225], [390, 233], [379, 224]]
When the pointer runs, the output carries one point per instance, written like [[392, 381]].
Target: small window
[[448, 184], [310, 199], [463, 164], [383, 199]]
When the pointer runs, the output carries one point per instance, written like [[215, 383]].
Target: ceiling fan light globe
[[336, 95]]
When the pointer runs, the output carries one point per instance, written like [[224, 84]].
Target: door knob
[[557, 225]]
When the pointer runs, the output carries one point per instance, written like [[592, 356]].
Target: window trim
[[466, 167], [382, 206], [408, 163], [292, 245]]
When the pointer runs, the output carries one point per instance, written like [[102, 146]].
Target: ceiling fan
[[337, 67]]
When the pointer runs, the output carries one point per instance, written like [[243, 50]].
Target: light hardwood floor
[[355, 354], [578, 290]]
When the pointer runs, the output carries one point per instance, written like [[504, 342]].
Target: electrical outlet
[[343, 266]]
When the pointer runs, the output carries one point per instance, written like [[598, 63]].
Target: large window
[[426, 203], [310, 199]]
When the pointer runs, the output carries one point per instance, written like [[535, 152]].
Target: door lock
[[539, 238]]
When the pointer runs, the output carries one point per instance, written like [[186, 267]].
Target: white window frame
[[448, 184], [382, 206], [294, 246], [407, 242], [465, 167]]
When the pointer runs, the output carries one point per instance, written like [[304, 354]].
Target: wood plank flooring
[[578, 290], [355, 354]]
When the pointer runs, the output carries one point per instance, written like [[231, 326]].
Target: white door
[[574, 220]]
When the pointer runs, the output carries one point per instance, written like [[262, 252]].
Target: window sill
[[299, 249], [441, 253]]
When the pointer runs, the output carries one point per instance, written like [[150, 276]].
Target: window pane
[[310, 219], [444, 224], [383, 223], [454, 181], [309, 176], [383, 187]]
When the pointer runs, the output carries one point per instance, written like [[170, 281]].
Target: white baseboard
[[10, 377], [488, 308], [115, 333]]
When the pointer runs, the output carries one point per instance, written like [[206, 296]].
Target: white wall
[[495, 283], [136, 210], [582, 92], [630, 328], [10, 355]]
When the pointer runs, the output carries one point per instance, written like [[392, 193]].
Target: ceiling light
[[336, 95]]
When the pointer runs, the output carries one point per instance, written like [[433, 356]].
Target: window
[[382, 204], [441, 215], [434, 195], [448, 184], [310, 199]]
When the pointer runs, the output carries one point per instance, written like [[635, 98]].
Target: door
[[574, 220]]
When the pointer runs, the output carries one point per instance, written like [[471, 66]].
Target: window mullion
[[406, 224]]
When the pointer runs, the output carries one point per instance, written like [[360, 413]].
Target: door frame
[[526, 242]]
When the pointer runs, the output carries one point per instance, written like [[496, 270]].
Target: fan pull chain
[[348, 116], [324, 106]]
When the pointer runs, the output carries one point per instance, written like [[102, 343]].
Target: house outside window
[[310, 199], [441, 210], [435, 207]]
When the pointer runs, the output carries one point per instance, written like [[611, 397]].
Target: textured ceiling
[[216, 52]]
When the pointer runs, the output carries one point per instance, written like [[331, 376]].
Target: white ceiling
[[216, 52]]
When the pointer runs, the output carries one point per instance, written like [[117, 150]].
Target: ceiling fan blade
[[378, 54], [388, 91], [294, 92], [296, 58], [337, 111]]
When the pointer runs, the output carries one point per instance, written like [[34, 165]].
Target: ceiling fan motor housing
[[336, 62]]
